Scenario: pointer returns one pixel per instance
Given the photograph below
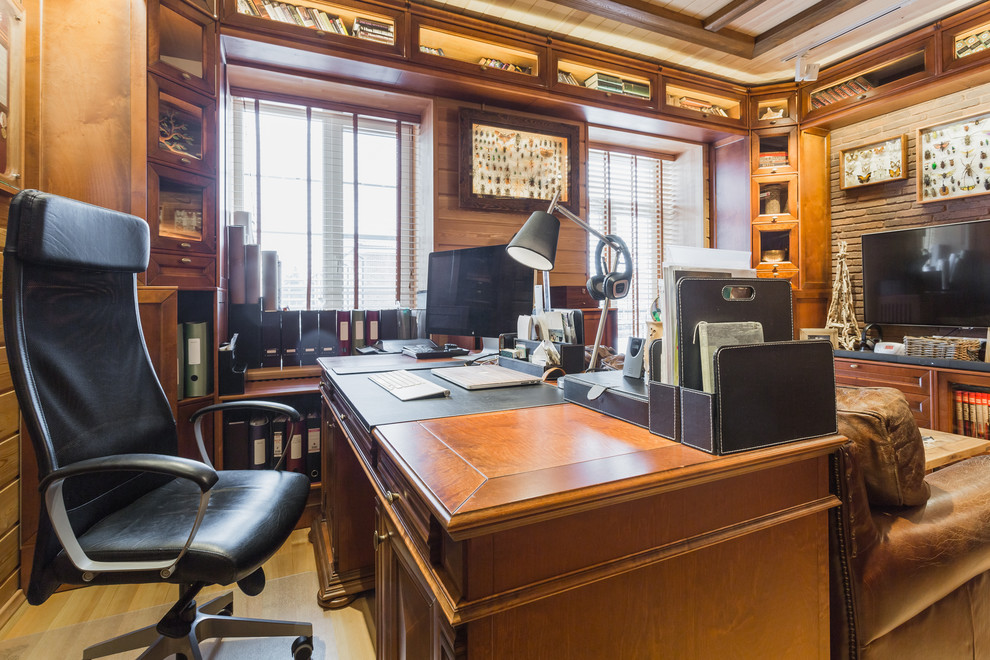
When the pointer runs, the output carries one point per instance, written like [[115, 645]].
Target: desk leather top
[[375, 406], [503, 469]]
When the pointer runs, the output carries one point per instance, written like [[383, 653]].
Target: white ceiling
[[756, 40]]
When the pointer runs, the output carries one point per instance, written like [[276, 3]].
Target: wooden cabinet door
[[405, 607]]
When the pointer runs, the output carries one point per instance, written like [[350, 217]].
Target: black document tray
[[614, 395], [765, 394], [701, 299]]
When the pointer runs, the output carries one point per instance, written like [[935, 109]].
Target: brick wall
[[894, 205]]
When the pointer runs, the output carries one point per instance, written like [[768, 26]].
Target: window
[[636, 197], [334, 193]]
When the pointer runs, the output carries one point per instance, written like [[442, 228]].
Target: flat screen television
[[936, 275], [479, 292]]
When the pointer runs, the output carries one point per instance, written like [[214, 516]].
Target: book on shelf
[[259, 434], [604, 82], [246, 7], [307, 16], [631, 88], [430, 50], [773, 158], [566, 77], [313, 445], [296, 460], [236, 443], [367, 28], [280, 427], [198, 367]]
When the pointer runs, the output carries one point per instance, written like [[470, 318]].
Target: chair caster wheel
[[302, 648]]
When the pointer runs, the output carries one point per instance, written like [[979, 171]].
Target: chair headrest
[[46, 229]]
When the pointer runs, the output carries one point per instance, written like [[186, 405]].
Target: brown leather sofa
[[910, 552]]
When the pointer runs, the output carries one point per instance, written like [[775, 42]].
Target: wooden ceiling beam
[[666, 22], [799, 24], [729, 13]]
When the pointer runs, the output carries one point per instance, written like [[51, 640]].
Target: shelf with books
[[848, 87], [965, 40], [374, 25], [696, 101], [438, 44], [971, 407], [591, 78], [774, 150], [182, 44]]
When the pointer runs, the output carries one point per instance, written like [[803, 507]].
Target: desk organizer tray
[[611, 393], [765, 394], [664, 410]]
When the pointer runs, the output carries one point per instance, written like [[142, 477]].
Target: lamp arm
[[555, 206]]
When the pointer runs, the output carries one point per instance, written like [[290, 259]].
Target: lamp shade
[[535, 244]]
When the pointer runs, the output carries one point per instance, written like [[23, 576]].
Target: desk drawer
[[914, 382], [405, 501], [349, 422]]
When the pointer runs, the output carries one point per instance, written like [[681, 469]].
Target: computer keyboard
[[406, 386], [424, 351]]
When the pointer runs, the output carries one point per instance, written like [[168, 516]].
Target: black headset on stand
[[611, 283]]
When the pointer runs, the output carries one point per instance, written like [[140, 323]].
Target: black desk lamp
[[535, 245]]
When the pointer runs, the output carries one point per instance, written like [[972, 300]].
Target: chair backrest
[[80, 367]]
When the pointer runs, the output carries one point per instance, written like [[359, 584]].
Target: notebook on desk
[[483, 377]]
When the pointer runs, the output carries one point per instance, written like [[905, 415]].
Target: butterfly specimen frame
[[954, 159], [514, 163], [877, 162]]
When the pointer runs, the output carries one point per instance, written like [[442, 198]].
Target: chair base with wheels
[[185, 625]]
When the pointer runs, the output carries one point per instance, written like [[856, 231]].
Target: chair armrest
[[247, 404], [204, 476], [925, 552]]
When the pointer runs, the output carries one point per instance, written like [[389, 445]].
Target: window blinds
[[633, 196], [333, 192]]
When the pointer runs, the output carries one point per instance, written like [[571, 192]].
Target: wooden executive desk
[[558, 532]]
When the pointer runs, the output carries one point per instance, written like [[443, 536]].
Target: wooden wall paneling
[[90, 139], [11, 597], [730, 181], [8, 553], [457, 228], [8, 506], [8, 457]]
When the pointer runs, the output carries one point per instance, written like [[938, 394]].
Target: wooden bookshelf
[[370, 25], [579, 73], [699, 101], [474, 51], [886, 74]]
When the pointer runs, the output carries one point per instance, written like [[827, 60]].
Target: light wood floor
[[80, 605]]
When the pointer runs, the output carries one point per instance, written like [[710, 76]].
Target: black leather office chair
[[119, 505]]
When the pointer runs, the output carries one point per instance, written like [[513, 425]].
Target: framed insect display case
[[954, 159], [510, 163], [877, 162]]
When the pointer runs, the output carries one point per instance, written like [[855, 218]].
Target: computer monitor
[[479, 292]]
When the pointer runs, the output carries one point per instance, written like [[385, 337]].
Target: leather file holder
[[245, 321], [611, 393], [765, 394], [764, 301], [664, 410], [664, 399]]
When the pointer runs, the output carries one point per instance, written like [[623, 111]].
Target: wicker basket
[[949, 348]]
